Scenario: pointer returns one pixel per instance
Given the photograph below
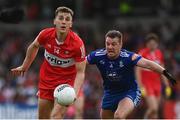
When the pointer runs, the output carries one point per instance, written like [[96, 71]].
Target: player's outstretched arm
[[145, 63], [30, 56], [80, 67]]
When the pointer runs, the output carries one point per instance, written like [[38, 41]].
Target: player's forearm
[[148, 64], [155, 67], [79, 81], [30, 56]]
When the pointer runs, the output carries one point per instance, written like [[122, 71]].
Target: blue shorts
[[111, 100]]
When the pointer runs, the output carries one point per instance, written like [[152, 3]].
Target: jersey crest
[[124, 54]]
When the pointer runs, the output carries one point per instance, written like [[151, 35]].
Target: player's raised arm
[[30, 56], [148, 64]]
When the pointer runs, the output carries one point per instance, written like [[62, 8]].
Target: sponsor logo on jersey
[[56, 61], [112, 75]]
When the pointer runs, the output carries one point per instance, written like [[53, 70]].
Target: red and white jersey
[[59, 58], [155, 56]]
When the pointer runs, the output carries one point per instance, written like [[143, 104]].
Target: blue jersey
[[117, 74]]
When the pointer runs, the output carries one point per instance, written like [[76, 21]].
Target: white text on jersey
[[56, 61]]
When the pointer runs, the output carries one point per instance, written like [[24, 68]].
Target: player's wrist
[[164, 72], [169, 77], [25, 67]]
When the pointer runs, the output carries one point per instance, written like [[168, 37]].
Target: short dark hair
[[64, 9], [113, 34], [152, 36]]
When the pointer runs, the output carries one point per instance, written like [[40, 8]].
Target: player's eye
[[114, 44], [67, 18], [61, 18], [107, 44]]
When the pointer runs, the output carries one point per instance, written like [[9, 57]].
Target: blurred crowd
[[14, 40]]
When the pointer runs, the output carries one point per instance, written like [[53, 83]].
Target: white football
[[64, 94]]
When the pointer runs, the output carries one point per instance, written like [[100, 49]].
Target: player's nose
[[63, 21], [110, 46]]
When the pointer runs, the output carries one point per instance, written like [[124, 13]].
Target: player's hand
[[19, 71], [168, 91], [75, 99], [169, 77], [71, 104], [143, 91]]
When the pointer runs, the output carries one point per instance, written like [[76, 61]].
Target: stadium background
[[93, 18]]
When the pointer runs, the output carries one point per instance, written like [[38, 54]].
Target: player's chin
[[62, 31], [111, 55]]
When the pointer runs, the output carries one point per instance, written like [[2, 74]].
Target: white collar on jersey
[[59, 43]]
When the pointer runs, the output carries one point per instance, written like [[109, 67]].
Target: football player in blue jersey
[[116, 65]]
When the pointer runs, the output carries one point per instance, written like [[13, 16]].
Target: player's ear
[[71, 24]]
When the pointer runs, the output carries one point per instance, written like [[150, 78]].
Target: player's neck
[[114, 57], [151, 50], [61, 36]]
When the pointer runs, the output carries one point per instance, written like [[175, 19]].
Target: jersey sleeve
[[80, 53], [135, 58], [91, 58], [42, 37]]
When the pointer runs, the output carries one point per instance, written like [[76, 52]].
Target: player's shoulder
[[75, 41], [97, 55], [125, 53], [100, 52], [75, 37], [47, 31]]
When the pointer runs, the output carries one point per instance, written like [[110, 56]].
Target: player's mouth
[[110, 51], [62, 27]]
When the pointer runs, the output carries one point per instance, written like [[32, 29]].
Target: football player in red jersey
[[64, 62], [149, 81]]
